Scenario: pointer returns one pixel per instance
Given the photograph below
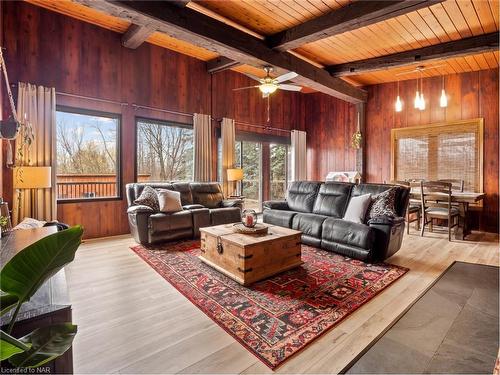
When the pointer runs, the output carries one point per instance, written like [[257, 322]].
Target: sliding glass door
[[249, 154], [278, 154]]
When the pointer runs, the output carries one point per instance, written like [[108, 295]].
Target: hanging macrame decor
[[8, 128]]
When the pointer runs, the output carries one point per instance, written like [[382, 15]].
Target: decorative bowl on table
[[258, 228]]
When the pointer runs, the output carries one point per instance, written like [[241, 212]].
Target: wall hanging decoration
[[357, 138]]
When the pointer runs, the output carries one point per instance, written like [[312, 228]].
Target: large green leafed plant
[[20, 278]]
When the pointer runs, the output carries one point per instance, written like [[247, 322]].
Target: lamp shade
[[32, 177], [235, 174]]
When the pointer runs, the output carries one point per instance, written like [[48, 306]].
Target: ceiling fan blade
[[252, 76], [286, 77], [245, 88], [289, 87]]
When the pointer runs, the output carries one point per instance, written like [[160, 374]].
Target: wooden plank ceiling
[[442, 22]]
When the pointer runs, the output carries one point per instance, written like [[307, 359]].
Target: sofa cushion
[[357, 207], [225, 215], [301, 195], [348, 233], [383, 204], [148, 197], [332, 199], [280, 218], [374, 189], [309, 224], [208, 194], [169, 200], [178, 220], [192, 206], [185, 190]]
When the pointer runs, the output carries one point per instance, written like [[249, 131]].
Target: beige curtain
[[298, 151], [37, 105], [228, 139], [202, 147]]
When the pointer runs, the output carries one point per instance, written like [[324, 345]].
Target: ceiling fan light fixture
[[268, 88]]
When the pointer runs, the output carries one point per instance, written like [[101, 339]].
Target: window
[[440, 151], [87, 154], [164, 151], [278, 170], [265, 163]]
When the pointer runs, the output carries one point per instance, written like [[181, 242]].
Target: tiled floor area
[[453, 328]]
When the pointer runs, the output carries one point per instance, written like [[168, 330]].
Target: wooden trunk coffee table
[[249, 258]]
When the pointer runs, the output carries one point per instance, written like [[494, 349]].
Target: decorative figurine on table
[[249, 218]]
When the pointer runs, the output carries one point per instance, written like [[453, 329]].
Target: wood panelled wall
[[470, 95], [329, 123], [49, 49]]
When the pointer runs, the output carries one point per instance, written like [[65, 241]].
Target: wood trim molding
[[196, 28], [347, 18], [456, 48]]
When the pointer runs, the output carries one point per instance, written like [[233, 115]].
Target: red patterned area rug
[[277, 317]]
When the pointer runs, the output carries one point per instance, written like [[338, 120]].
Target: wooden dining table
[[463, 198]]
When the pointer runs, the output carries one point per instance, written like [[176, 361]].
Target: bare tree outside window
[[164, 151], [87, 149]]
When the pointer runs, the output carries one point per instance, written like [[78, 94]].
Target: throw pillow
[[357, 207], [29, 223], [384, 204], [169, 200], [149, 198]]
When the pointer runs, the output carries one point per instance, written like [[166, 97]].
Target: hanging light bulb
[[416, 102], [399, 104], [422, 102], [443, 100]]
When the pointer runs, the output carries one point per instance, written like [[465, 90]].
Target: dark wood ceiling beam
[[206, 32], [456, 48], [348, 18], [136, 35], [220, 64]]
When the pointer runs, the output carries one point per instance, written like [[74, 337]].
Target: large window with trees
[[164, 151], [87, 150]]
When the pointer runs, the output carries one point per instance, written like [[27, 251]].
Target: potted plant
[[20, 278]]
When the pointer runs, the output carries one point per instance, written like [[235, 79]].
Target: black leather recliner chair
[[317, 209], [203, 205]]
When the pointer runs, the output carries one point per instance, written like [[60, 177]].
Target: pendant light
[[422, 100], [399, 104], [416, 102], [443, 100]]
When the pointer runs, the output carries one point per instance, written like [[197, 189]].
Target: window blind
[[440, 151]]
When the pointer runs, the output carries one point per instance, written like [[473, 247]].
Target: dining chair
[[441, 208], [414, 206], [456, 184]]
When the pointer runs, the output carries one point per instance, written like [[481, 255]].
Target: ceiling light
[[416, 102], [443, 100], [268, 88], [399, 104], [422, 102]]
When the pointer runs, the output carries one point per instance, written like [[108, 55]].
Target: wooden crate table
[[249, 258]]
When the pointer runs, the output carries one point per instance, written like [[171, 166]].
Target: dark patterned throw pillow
[[384, 204], [149, 198]]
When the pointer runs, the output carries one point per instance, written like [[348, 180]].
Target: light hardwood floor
[[130, 320]]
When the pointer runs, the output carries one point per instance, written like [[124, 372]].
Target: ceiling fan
[[268, 84]]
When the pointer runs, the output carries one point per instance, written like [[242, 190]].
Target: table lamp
[[235, 174], [32, 178]]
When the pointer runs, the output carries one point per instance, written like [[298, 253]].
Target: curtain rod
[[265, 127], [123, 104], [137, 106]]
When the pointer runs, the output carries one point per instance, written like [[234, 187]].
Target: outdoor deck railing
[[86, 189]]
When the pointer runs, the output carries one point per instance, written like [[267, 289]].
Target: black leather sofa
[[203, 205], [317, 209]]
